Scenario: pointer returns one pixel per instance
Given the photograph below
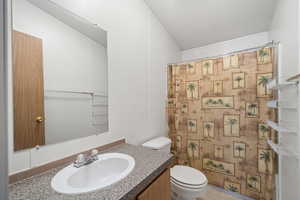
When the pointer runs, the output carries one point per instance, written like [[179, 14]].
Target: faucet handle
[[94, 154], [80, 158]]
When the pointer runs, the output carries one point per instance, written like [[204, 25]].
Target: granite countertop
[[148, 165]]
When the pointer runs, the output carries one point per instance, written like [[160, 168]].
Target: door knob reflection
[[39, 119]]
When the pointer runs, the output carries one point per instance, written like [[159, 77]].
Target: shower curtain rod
[[269, 44], [76, 92]]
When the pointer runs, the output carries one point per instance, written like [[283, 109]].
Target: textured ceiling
[[195, 23]]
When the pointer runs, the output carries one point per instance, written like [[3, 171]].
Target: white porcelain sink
[[109, 169]]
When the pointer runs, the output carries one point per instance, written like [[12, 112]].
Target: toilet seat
[[185, 185], [188, 177], [191, 187], [187, 189]]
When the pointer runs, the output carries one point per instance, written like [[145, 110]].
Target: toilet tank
[[162, 144]]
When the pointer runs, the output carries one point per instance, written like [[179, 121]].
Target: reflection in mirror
[[59, 75]]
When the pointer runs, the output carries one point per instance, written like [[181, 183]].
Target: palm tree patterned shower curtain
[[217, 112]]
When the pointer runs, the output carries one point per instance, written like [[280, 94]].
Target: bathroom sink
[[109, 169]]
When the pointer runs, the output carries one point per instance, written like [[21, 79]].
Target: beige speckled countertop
[[148, 165]]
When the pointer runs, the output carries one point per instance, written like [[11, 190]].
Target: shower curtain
[[217, 112]]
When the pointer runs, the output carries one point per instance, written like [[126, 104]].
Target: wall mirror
[[59, 75]]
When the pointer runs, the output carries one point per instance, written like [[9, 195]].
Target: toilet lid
[[188, 175]]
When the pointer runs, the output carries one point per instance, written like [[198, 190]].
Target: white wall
[[139, 49], [285, 29], [220, 48], [66, 52]]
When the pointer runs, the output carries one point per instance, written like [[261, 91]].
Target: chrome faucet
[[83, 160]]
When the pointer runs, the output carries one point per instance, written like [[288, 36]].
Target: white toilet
[[187, 183]]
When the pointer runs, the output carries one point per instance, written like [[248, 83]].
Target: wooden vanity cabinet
[[159, 189]]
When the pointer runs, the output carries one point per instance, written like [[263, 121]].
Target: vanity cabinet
[[159, 189]]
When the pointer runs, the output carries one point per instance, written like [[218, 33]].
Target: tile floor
[[216, 193]]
